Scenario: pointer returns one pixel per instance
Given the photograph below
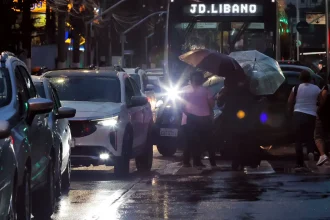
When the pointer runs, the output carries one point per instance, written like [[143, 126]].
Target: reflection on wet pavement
[[190, 194], [230, 195]]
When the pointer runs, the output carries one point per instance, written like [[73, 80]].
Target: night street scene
[[164, 109]]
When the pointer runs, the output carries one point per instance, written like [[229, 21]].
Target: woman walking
[[198, 105], [303, 100]]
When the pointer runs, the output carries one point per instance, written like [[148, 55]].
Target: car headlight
[[172, 93], [159, 103], [111, 122]]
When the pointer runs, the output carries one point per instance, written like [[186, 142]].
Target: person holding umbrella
[[197, 107]]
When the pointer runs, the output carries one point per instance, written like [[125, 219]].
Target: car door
[[135, 114], [145, 112], [62, 128], [39, 133]]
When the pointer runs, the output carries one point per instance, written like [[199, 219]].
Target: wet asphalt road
[[172, 192]]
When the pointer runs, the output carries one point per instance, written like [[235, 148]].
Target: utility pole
[[327, 37], [297, 33], [89, 23], [146, 45], [123, 35]]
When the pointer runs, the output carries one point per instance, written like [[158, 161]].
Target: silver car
[[59, 125], [26, 159]]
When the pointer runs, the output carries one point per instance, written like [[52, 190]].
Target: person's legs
[[194, 139], [206, 138], [309, 128], [187, 147], [298, 119], [319, 136]]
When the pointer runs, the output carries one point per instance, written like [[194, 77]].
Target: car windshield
[[5, 88], [87, 88], [40, 89]]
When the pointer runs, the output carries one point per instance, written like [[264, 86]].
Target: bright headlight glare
[[104, 156], [109, 122], [159, 103], [173, 93]]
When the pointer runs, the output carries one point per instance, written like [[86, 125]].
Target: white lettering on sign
[[223, 9], [226, 8], [235, 8], [193, 8], [214, 11], [201, 8], [253, 9]]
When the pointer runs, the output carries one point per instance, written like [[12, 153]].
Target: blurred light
[[60, 80], [159, 103], [263, 118], [104, 156], [109, 122], [240, 114], [172, 93]]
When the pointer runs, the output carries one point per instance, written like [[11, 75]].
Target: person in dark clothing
[[238, 123], [197, 120]]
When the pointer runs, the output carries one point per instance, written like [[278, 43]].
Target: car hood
[[93, 109]]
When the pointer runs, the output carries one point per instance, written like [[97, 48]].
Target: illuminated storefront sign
[[39, 7], [224, 9]]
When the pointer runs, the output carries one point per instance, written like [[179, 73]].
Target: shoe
[[322, 160], [311, 157]]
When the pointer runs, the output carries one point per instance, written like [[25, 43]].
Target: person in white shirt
[[303, 100]]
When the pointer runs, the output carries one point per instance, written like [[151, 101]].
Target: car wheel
[[167, 150], [122, 162], [44, 199], [23, 205], [66, 177], [58, 186], [144, 162]]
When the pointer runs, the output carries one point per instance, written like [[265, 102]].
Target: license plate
[[169, 132]]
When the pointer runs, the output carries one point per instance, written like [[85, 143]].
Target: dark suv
[[26, 148]]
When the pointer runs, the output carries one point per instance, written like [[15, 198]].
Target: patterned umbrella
[[214, 62], [264, 73]]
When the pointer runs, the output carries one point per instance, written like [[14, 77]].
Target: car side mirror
[[38, 106], [4, 129], [138, 101], [65, 112], [149, 87]]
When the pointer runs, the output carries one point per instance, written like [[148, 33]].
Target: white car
[[113, 122]]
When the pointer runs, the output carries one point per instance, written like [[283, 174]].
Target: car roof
[[80, 72], [297, 67]]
